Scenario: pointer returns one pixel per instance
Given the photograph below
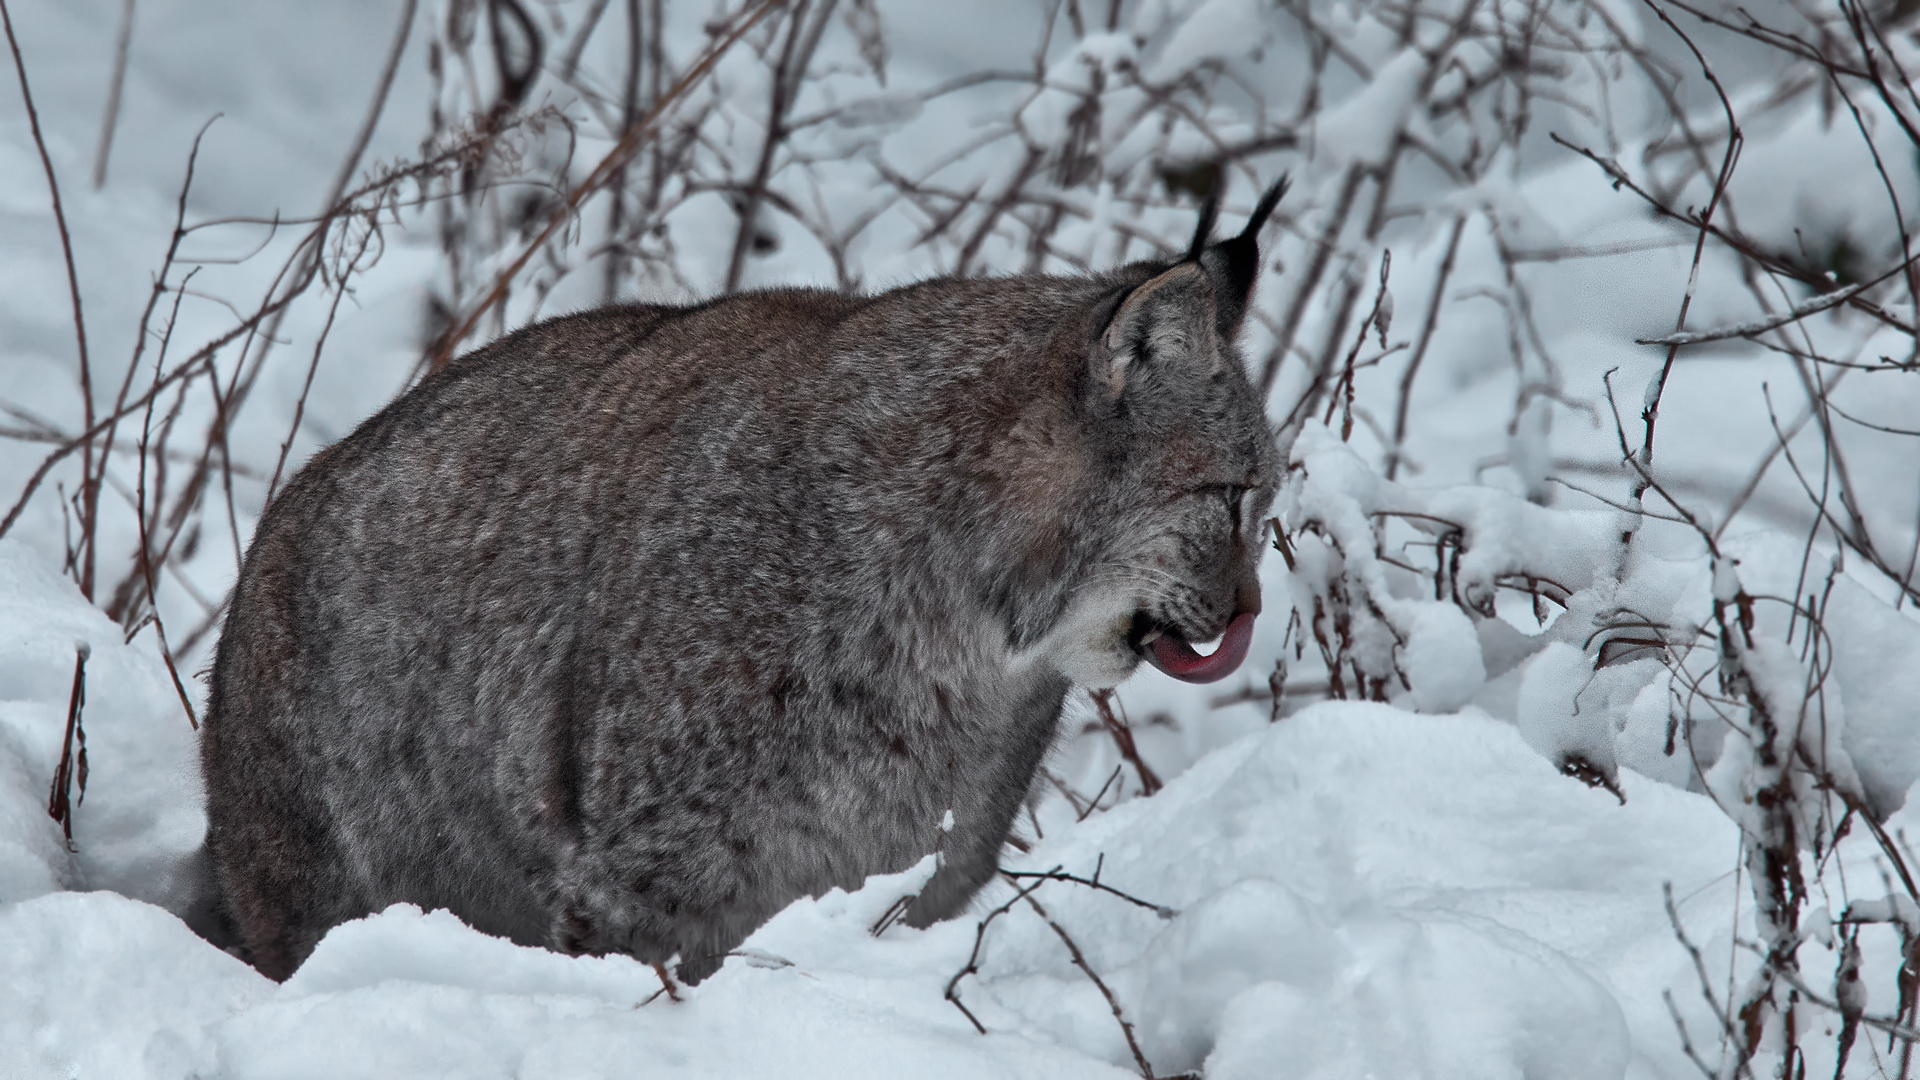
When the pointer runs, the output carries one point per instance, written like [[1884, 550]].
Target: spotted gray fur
[[629, 629]]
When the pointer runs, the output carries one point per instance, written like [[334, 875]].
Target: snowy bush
[[1578, 736]]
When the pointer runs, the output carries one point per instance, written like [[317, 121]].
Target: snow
[[1334, 895], [1212, 30], [140, 814], [1398, 888], [1362, 129], [1442, 658], [1876, 663], [1342, 883], [102, 985]]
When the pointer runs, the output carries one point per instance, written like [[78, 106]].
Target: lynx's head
[[1188, 469]]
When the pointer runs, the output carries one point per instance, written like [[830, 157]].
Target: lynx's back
[[629, 629]]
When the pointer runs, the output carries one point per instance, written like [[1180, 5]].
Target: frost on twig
[[1812, 306]]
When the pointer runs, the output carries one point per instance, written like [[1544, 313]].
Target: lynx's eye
[[1232, 495]]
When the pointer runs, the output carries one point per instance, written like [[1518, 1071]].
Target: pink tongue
[[1177, 658]]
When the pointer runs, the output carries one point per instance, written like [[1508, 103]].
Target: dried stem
[[1113, 1003], [71, 771], [110, 119], [90, 492], [442, 352]]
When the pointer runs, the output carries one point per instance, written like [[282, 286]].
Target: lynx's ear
[[1168, 316], [1233, 265], [1190, 312]]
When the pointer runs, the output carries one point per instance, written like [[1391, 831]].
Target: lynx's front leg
[[973, 841], [953, 886], [594, 920]]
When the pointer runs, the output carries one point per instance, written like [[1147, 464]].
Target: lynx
[[629, 629]]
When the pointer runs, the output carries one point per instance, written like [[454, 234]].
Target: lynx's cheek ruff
[[1093, 643]]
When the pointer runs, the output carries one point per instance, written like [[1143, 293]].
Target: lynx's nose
[[1178, 658], [1246, 595]]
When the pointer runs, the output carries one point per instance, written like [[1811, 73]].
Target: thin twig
[[1650, 409], [1093, 882], [1103, 701], [629, 144], [1811, 307], [146, 546], [786, 77], [973, 958], [90, 500], [1080, 961], [110, 119], [351, 163], [313, 367], [1397, 453]]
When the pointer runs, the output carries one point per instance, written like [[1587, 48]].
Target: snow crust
[[1355, 891]]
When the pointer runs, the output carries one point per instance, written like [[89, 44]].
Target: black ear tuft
[[1265, 207], [1203, 232], [1233, 265]]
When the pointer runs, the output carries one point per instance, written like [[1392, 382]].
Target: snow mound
[[1354, 891], [140, 814], [1877, 665]]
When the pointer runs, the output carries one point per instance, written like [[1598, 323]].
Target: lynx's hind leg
[[282, 879]]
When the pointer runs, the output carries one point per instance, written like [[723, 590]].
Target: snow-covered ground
[[1408, 888], [1357, 891]]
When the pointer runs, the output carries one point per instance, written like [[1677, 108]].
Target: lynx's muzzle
[[1179, 659]]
